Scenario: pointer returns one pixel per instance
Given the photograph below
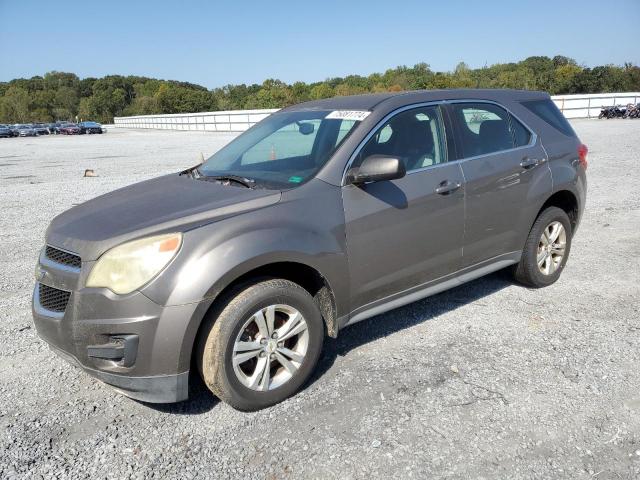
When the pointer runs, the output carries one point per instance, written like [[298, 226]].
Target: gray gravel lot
[[489, 380]]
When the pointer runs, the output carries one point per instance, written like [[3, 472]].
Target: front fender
[[308, 229], [306, 226], [208, 271]]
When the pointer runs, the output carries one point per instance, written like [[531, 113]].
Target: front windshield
[[285, 149]]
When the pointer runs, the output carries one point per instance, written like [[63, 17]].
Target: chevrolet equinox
[[321, 215]]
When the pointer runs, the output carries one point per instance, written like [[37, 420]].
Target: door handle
[[447, 187], [530, 162]]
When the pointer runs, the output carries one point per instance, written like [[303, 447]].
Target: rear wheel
[[546, 250], [262, 345]]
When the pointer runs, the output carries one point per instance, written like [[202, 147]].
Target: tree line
[[64, 96]]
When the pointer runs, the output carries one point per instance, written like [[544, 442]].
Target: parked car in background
[[53, 128], [57, 125], [41, 128], [69, 129], [320, 216], [5, 132], [26, 130], [90, 127]]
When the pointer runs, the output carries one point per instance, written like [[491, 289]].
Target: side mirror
[[377, 168]]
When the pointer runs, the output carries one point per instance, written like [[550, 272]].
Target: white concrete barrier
[[589, 105], [572, 106], [224, 121]]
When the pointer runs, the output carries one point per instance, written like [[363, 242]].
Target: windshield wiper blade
[[194, 172], [246, 182]]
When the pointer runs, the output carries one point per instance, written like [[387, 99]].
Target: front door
[[405, 232]]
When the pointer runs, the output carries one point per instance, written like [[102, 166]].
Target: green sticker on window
[[295, 179]]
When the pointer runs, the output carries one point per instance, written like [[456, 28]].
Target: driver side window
[[415, 136]]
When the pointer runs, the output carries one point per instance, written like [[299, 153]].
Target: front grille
[[60, 256], [53, 299]]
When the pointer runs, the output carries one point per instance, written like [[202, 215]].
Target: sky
[[217, 43]]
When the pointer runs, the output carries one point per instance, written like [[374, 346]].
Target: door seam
[[464, 213]]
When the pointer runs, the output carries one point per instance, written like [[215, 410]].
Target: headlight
[[131, 265]]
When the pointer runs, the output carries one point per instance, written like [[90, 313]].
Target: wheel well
[[565, 200], [305, 276]]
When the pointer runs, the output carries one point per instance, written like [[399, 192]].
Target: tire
[[528, 272], [227, 324]]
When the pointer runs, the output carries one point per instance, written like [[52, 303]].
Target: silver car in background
[[26, 130]]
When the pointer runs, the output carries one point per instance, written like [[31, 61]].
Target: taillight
[[582, 155]]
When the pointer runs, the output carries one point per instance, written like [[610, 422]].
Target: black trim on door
[[453, 151], [458, 136]]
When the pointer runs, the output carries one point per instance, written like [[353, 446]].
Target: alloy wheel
[[270, 348], [551, 248]]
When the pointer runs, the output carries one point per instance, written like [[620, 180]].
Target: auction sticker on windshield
[[357, 115]]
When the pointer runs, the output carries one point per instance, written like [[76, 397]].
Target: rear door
[[405, 232], [505, 170]]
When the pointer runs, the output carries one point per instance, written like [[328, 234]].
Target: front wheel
[[262, 345], [546, 250]]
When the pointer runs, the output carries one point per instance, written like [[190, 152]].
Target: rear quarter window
[[547, 111]]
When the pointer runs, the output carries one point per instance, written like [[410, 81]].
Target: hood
[[161, 205]]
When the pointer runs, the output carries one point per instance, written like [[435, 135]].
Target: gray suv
[[322, 215]]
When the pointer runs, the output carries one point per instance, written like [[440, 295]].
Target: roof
[[374, 100]]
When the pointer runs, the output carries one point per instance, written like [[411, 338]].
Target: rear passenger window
[[483, 128], [521, 136]]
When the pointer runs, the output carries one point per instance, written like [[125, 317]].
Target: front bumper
[[127, 341], [154, 389]]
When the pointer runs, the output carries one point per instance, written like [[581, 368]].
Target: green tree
[[56, 80], [461, 77], [321, 90], [14, 105], [565, 78], [41, 105], [272, 94], [62, 95], [143, 105], [65, 103], [173, 98], [87, 109]]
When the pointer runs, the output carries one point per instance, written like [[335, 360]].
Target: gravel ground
[[489, 380]]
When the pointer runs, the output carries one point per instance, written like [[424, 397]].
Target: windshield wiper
[[245, 182], [194, 172]]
